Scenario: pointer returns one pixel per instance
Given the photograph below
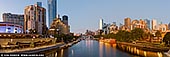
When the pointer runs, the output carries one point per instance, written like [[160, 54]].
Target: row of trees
[[65, 37], [135, 34], [166, 39]]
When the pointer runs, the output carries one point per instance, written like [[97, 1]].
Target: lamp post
[[57, 32]]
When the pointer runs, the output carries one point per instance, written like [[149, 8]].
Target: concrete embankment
[[69, 44], [147, 51]]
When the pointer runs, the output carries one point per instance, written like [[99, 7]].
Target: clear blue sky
[[85, 14]]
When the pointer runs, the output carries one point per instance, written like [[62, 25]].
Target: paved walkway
[[145, 47], [32, 50]]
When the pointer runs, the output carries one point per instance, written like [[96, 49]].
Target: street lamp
[[58, 31]]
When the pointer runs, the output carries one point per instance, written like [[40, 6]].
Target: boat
[[110, 41]]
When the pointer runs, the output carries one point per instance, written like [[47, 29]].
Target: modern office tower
[[52, 11], [101, 24], [13, 18], [114, 23], [65, 19], [39, 4], [154, 24], [34, 19], [147, 23], [127, 22], [169, 26]]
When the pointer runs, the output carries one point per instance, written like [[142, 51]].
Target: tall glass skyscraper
[[148, 23], [52, 11]]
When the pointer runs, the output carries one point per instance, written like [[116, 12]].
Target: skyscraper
[[101, 24], [65, 19], [34, 19], [147, 23], [52, 11], [39, 4], [127, 22], [154, 24]]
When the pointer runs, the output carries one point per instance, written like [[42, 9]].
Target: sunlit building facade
[[154, 24], [13, 18], [127, 23], [35, 19], [59, 27]]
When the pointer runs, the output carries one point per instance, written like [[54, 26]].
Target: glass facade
[[52, 11]]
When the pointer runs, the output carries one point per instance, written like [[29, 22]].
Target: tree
[[97, 36], [30, 31], [137, 34], [158, 34], [166, 38], [123, 35], [33, 31]]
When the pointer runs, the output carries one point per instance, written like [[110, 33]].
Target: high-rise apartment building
[[101, 24], [127, 22], [35, 19], [13, 18], [154, 24], [52, 11]]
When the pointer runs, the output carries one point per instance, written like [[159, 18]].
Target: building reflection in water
[[108, 49], [101, 49], [91, 48]]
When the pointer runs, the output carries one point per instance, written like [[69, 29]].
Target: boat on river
[[110, 41]]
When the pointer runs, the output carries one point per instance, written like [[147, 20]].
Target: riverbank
[[37, 49], [69, 44], [142, 50], [92, 48]]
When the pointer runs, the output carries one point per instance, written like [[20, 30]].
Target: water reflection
[[92, 48]]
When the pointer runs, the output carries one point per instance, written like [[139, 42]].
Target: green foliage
[[32, 31], [123, 36], [65, 37], [97, 36], [166, 38], [126, 36], [158, 34], [137, 34]]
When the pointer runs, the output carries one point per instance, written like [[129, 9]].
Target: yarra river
[[92, 48]]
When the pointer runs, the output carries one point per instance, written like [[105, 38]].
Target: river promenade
[[142, 50], [36, 45]]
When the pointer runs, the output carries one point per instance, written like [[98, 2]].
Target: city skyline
[[86, 15]]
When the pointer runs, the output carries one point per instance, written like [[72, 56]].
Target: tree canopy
[[166, 38], [127, 36]]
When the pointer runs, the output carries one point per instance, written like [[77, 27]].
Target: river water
[[92, 48]]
